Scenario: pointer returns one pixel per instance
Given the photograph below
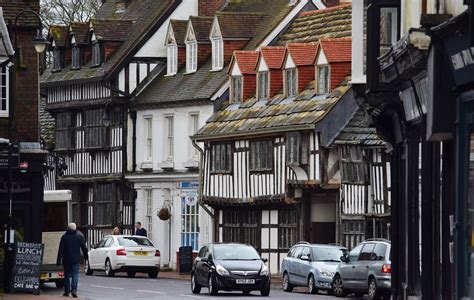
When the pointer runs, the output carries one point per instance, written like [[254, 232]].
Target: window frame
[[239, 94], [88, 126], [148, 129], [368, 254], [193, 129], [326, 89], [189, 234], [266, 88], [225, 167], [169, 137], [293, 88], [69, 130], [191, 56], [148, 197], [171, 59], [76, 58], [57, 60], [300, 148], [256, 159], [217, 53], [5, 91], [96, 60]]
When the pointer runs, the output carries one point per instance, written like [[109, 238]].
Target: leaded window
[[96, 134], [297, 148], [103, 195], [242, 226], [236, 89], [64, 135], [352, 164], [76, 57], [261, 156], [288, 228], [221, 158]]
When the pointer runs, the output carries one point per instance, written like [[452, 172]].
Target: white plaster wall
[[155, 47], [182, 149], [455, 7]]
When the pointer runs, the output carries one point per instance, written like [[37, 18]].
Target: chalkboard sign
[[27, 263], [185, 259]]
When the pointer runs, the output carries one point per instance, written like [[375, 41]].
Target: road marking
[[191, 296], [107, 287], [154, 292]]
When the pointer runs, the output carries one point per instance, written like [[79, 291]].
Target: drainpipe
[[201, 180], [133, 115]]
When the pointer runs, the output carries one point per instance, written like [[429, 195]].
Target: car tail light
[[61, 274], [121, 252], [157, 253], [386, 268]]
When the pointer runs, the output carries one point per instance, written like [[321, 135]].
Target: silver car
[[365, 270], [311, 265]]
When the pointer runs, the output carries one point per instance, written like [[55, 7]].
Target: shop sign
[[4, 155], [461, 58], [191, 199], [189, 185]]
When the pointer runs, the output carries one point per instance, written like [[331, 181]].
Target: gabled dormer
[[298, 67], [242, 75], [269, 75], [333, 63], [58, 36], [200, 27], [191, 50], [175, 46], [78, 32]]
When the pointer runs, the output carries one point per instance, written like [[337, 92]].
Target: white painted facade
[[169, 187]]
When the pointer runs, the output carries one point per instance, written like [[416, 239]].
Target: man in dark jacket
[[69, 254], [139, 230]]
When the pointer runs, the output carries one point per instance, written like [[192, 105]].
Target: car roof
[[126, 236], [336, 246], [376, 240]]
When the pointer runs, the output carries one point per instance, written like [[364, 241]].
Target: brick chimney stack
[[207, 8]]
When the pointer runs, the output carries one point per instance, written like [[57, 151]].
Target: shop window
[[190, 221]]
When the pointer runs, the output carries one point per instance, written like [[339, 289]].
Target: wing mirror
[[344, 259], [305, 257], [264, 260]]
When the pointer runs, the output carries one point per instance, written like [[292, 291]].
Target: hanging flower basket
[[164, 214]]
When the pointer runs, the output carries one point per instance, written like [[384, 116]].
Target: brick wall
[[67, 53], [305, 76], [25, 95], [230, 46], [249, 86], [209, 7], [204, 52], [87, 53], [181, 56], [338, 72], [276, 81], [110, 48]]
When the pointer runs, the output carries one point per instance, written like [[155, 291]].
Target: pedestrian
[[139, 230], [116, 231], [69, 255]]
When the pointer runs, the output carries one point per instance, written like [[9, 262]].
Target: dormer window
[[263, 85], [291, 82], [172, 59], [217, 53], [236, 89], [323, 79], [76, 57], [56, 59], [191, 57], [96, 55]]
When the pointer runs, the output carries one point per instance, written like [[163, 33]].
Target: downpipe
[[201, 180]]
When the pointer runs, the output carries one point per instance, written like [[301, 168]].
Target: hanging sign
[[191, 198]]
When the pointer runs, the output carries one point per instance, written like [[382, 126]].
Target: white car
[[124, 253]]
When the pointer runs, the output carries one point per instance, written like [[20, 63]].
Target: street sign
[[4, 156]]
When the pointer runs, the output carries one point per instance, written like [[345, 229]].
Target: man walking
[[139, 230], [70, 256]]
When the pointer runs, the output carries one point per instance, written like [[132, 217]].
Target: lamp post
[[40, 43]]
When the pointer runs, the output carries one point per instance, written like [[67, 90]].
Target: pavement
[[168, 285]]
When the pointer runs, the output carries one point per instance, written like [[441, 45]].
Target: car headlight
[[221, 270], [326, 273], [264, 271]]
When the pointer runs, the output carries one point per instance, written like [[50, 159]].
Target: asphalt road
[[99, 287]]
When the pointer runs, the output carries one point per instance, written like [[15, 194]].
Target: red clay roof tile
[[337, 49], [303, 54], [273, 55], [246, 59]]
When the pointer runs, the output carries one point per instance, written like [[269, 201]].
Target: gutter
[[201, 180]]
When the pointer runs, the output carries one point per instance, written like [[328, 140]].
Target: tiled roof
[[359, 132], [80, 30], [337, 50], [144, 13], [112, 30], [246, 59], [311, 26], [238, 25], [203, 84], [273, 56], [179, 30], [11, 8], [279, 113], [202, 27], [59, 33], [303, 54]]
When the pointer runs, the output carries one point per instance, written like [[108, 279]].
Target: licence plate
[[140, 253], [44, 275], [245, 281]]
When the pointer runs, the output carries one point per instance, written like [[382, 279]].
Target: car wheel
[[246, 293], [213, 286], [87, 268], [108, 269], [287, 287], [153, 274], [131, 274], [265, 292], [195, 287], [337, 287], [374, 293], [311, 285], [59, 284]]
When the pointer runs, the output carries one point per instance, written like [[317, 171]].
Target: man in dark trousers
[[69, 254], [139, 230]]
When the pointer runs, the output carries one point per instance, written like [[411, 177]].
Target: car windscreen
[[328, 254], [129, 241], [235, 252]]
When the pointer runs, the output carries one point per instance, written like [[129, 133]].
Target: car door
[[294, 265], [199, 266], [94, 254], [304, 265], [347, 269], [109, 242], [362, 266]]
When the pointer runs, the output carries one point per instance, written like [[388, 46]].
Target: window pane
[[366, 252]]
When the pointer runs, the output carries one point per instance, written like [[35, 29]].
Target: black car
[[230, 267]]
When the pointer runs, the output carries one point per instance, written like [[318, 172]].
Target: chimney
[[121, 5], [207, 8]]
